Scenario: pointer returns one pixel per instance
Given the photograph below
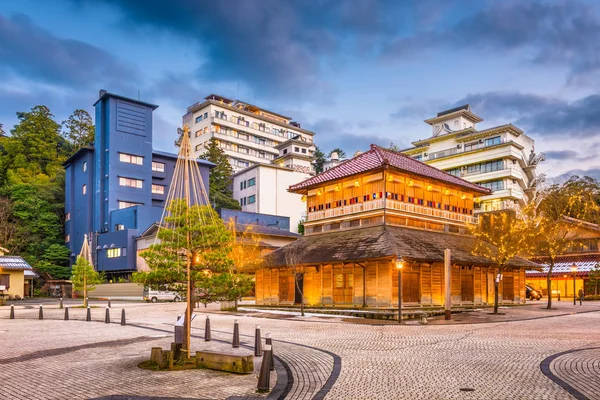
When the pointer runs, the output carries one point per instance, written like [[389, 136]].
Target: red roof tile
[[378, 157]]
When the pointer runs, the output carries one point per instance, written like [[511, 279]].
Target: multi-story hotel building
[[378, 215], [247, 134], [501, 158]]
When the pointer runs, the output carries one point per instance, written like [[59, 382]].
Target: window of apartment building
[[158, 166], [454, 171], [471, 146], [243, 150], [252, 199], [131, 182], [242, 185], [67, 238], [127, 204], [67, 216], [262, 154], [158, 189], [113, 253], [5, 280], [303, 151], [242, 135], [131, 159], [84, 167], [284, 151], [243, 201], [199, 118], [220, 114], [119, 227], [456, 123], [297, 149], [493, 141], [198, 147], [199, 132], [493, 185], [418, 157], [84, 189], [205, 115], [251, 182]]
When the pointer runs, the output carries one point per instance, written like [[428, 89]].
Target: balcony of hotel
[[394, 206], [461, 149], [261, 129], [229, 136]]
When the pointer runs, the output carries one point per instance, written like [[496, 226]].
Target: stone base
[[239, 362]]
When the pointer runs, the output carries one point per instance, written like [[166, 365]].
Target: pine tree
[[79, 129], [221, 191], [85, 277], [319, 160], [341, 153]]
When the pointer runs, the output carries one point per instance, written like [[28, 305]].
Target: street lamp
[[574, 270], [399, 264]]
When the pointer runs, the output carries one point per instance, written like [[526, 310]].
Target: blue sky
[[355, 71]]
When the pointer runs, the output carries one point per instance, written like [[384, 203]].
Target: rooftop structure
[[501, 158], [248, 134]]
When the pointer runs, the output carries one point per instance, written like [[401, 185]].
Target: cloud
[[277, 47], [561, 155], [592, 173], [28, 51], [547, 33], [545, 116]]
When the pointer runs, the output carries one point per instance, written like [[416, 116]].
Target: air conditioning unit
[[424, 154], [458, 146], [480, 140]]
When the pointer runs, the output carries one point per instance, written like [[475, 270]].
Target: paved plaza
[[545, 355]]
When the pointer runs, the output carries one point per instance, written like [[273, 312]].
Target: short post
[[179, 331], [207, 330], [109, 303], [61, 303], [269, 341], [88, 317], [41, 316], [447, 285], [236, 334], [423, 319], [123, 317], [66, 313], [257, 342], [12, 311], [107, 316], [264, 378]]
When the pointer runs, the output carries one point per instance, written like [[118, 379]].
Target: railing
[[392, 205], [261, 132]]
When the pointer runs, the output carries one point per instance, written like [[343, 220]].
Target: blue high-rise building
[[118, 188]]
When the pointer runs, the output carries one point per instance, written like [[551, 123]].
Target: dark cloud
[[548, 32], [30, 52], [274, 46], [540, 115], [561, 155]]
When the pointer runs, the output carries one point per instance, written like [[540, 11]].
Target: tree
[[319, 160], [79, 129], [221, 193], [562, 212], [502, 235], [85, 277], [193, 247], [394, 147], [1, 129], [300, 228], [341, 153], [594, 278], [292, 261]]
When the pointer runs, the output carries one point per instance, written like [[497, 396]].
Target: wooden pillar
[[321, 268], [448, 284]]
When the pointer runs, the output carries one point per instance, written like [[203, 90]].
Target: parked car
[[154, 296], [532, 294]]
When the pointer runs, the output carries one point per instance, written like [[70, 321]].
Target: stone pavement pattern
[[580, 370], [498, 361]]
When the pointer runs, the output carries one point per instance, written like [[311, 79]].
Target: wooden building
[[365, 215]]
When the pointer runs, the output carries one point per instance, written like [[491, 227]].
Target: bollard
[[41, 316], [269, 341], [66, 313], [264, 378], [88, 317], [109, 302], [107, 316], [558, 296], [236, 334], [207, 330], [12, 311], [61, 303], [423, 319], [123, 317], [257, 342]]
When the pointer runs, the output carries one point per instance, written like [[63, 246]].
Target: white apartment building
[[249, 135], [263, 188], [501, 158]]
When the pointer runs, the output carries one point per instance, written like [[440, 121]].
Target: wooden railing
[[391, 205]]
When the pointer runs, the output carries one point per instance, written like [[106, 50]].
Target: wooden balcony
[[405, 208]]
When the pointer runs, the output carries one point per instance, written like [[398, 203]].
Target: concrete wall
[[17, 282]]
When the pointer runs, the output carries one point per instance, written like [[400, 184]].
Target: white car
[[154, 296]]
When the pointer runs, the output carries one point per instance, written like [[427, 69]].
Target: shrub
[[592, 297]]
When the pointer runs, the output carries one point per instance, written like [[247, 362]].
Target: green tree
[[55, 271], [502, 235], [319, 160], [341, 153], [594, 277], [394, 147], [85, 277], [79, 129], [221, 192], [1, 129]]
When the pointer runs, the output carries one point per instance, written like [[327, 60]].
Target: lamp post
[[399, 264], [574, 270]]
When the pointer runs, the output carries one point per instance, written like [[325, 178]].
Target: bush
[[592, 297]]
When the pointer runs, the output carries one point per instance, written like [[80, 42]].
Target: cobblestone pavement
[[577, 371], [491, 360]]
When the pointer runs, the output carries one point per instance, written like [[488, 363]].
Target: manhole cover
[[467, 389]]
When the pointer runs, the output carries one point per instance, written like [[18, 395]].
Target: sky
[[355, 72]]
